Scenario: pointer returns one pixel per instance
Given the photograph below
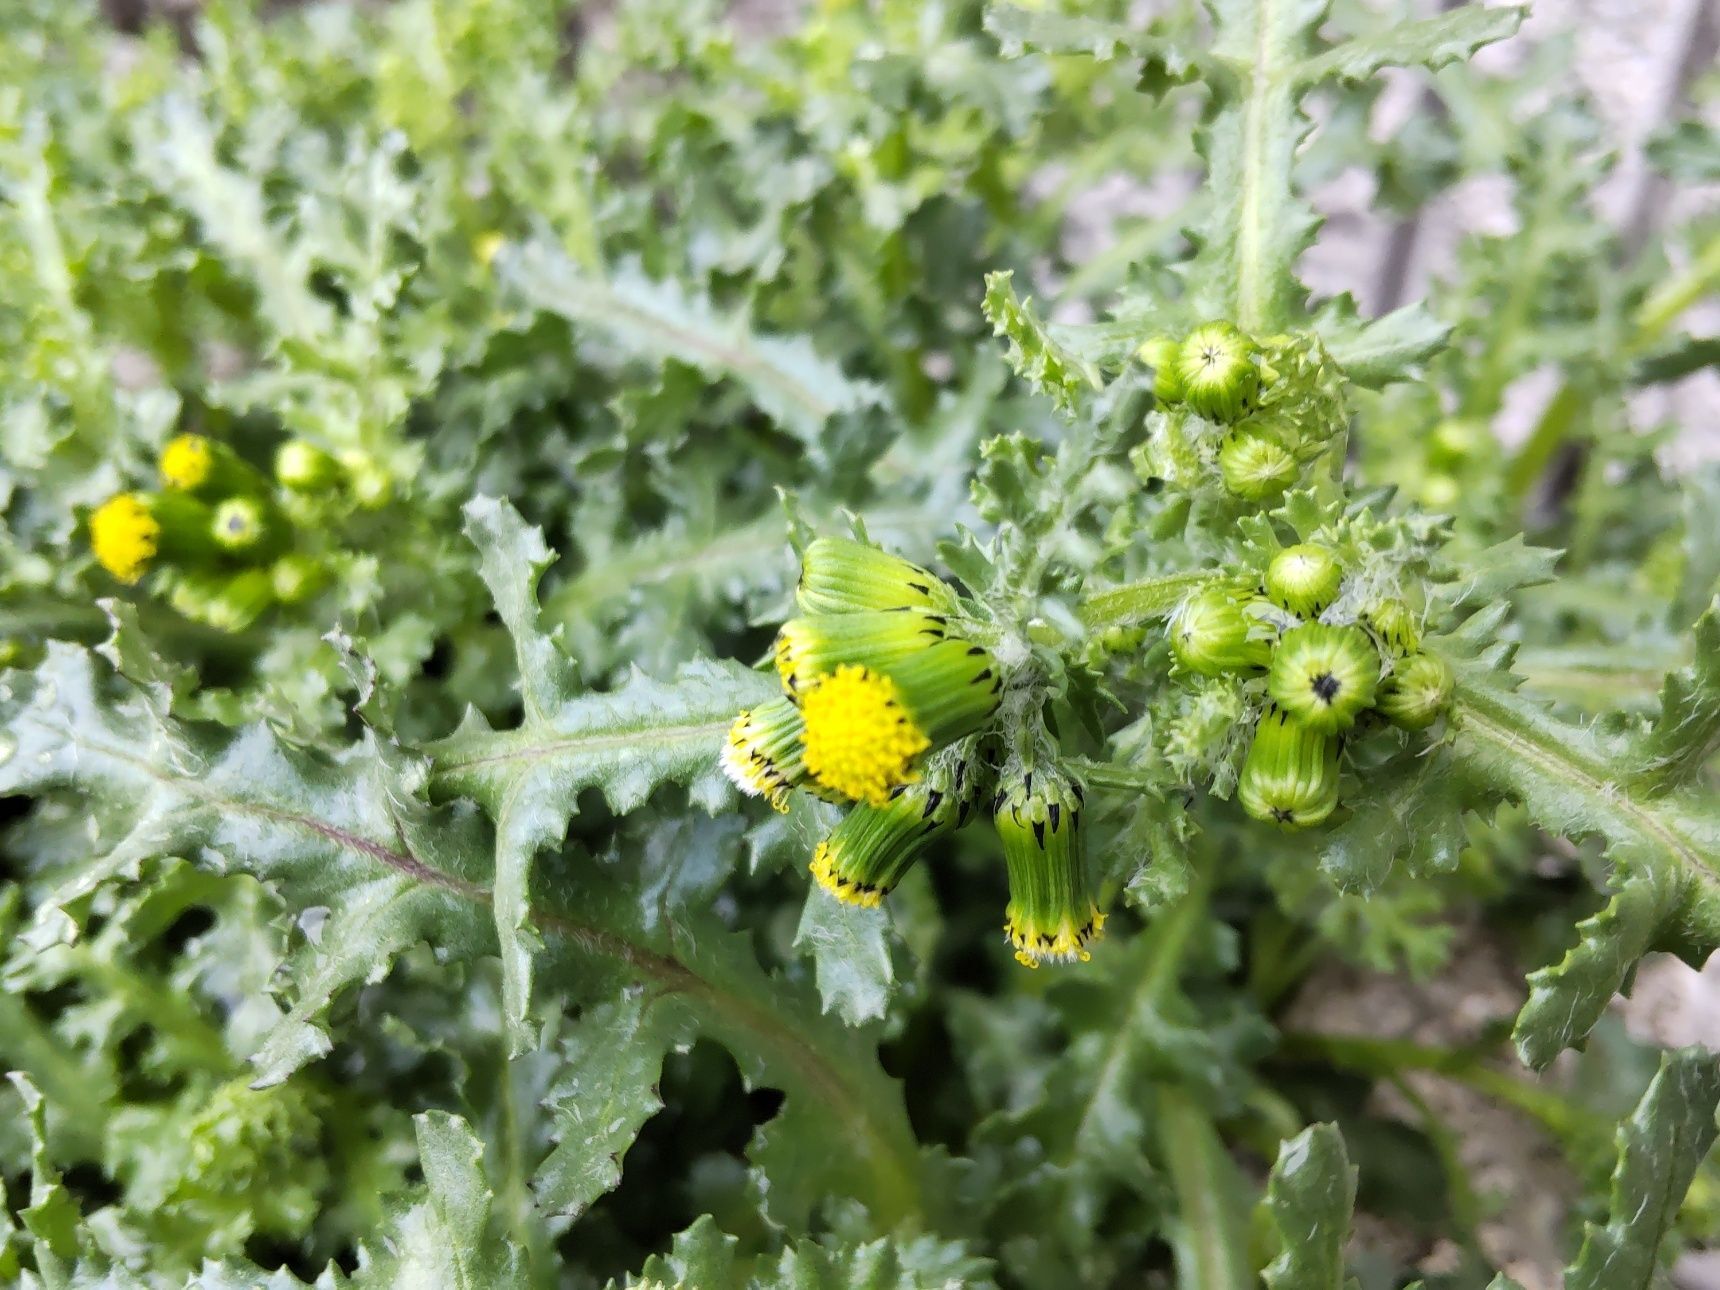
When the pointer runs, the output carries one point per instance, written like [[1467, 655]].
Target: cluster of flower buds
[[886, 698], [878, 673], [215, 529], [1220, 374], [1320, 677]]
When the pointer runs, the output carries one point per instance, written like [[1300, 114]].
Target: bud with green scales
[[1255, 466], [1051, 914], [1304, 579], [1218, 375], [867, 854], [1392, 624], [1290, 775], [1416, 692], [297, 578], [306, 468], [228, 602], [1164, 356], [1213, 633], [247, 528], [842, 576], [131, 531], [1324, 676]]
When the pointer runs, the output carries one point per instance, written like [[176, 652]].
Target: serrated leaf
[[1574, 782], [1568, 997], [1034, 352], [922, 1264], [512, 556], [702, 1257], [1019, 30], [1411, 812], [1309, 1199], [1478, 579], [1426, 42], [1374, 352], [602, 1098], [52, 1216], [1659, 1149], [346, 833], [1687, 731], [445, 1238], [785, 376], [850, 947]]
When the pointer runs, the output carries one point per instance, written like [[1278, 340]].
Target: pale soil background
[[1637, 59]]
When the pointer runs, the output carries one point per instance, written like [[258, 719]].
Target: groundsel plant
[[628, 664]]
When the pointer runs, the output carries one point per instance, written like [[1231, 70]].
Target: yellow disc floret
[[861, 740], [187, 461], [124, 536], [849, 890]]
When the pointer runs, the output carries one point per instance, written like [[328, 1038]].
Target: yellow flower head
[[861, 741], [1063, 942], [187, 461], [849, 890], [124, 536]]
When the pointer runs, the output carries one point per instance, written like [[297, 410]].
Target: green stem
[[1211, 1234], [1653, 317], [1572, 1125], [1136, 602]]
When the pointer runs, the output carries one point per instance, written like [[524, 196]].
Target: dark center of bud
[[1325, 687]]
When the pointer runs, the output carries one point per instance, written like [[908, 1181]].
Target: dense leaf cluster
[[408, 932]]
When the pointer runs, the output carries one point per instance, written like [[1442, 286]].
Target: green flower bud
[[868, 853], [1164, 356], [1213, 633], [1439, 491], [245, 526], [1219, 379], [1304, 579], [1393, 625], [1455, 442], [1417, 691], [1324, 676], [305, 468], [1255, 466], [841, 576], [297, 578], [226, 602], [371, 485], [1290, 776], [1051, 912]]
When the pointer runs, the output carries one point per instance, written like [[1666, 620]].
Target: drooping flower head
[[1324, 676], [842, 576], [1290, 776], [1051, 914], [867, 854]]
